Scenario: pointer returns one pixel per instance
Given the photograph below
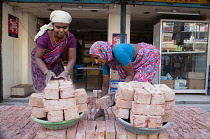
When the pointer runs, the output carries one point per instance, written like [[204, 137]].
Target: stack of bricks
[[146, 105], [59, 102]]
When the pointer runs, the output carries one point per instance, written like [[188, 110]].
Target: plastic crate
[[114, 83], [113, 90]]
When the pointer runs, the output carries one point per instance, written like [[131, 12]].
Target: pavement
[[199, 100]]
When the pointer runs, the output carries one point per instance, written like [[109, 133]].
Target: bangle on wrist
[[45, 73], [67, 71]]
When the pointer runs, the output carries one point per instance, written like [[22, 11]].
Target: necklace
[[54, 38], [58, 40]]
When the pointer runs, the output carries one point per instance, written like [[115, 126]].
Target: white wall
[[16, 51], [114, 26]]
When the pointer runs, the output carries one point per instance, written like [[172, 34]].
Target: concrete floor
[[199, 100]]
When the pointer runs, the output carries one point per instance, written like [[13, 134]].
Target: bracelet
[[67, 71], [45, 73]]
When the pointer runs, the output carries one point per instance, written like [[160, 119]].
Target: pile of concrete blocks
[[144, 104], [59, 102]]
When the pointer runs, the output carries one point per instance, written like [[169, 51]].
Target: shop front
[[92, 21]]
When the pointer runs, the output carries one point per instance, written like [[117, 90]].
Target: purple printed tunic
[[59, 50]]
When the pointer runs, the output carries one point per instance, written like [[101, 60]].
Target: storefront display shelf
[[184, 47]]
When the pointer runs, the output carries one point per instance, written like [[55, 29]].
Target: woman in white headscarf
[[53, 42]]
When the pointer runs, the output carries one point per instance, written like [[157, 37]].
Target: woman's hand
[[49, 75], [64, 75]]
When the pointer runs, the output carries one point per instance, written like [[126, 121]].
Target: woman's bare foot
[[99, 113]]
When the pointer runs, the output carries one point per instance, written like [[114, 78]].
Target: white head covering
[[55, 16]]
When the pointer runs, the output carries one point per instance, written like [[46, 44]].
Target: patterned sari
[[49, 58], [145, 65]]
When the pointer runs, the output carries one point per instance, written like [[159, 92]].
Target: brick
[[169, 105], [142, 109], [92, 100], [95, 93], [114, 109], [50, 93], [70, 114], [97, 104], [121, 133], [147, 86], [81, 96], [99, 93], [84, 117], [88, 99], [38, 112], [36, 100], [131, 135], [81, 129], [126, 104], [65, 83], [154, 136], [156, 110], [67, 103], [142, 96], [55, 116], [157, 99], [51, 134], [92, 114], [136, 84], [122, 113], [110, 129], [125, 91], [164, 135], [105, 102], [71, 132], [142, 136], [31, 133], [66, 92], [91, 127], [100, 130], [169, 93], [111, 114], [172, 134], [82, 107], [139, 121], [51, 105], [52, 84], [106, 115], [168, 116], [155, 121]]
